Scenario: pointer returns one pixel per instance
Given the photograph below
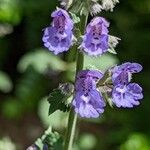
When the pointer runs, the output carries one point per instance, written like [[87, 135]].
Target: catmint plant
[[92, 89]]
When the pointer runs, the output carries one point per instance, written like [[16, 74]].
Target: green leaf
[[100, 62], [58, 101], [87, 141], [5, 83], [40, 60], [57, 120], [10, 11], [136, 141]]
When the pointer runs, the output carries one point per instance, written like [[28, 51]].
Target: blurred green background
[[28, 72]]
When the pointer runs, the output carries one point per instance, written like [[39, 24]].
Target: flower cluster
[[92, 6], [59, 36], [88, 101], [126, 94]]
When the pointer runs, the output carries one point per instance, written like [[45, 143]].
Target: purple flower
[[127, 95], [122, 74], [95, 40], [58, 37], [88, 102]]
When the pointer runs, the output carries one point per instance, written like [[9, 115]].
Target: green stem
[[72, 121]]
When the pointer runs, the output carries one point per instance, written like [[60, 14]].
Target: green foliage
[[57, 101], [10, 11], [87, 141], [28, 88], [5, 83], [57, 120], [102, 63], [7, 144], [27, 93], [12, 108], [51, 140], [41, 60], [136, 141]]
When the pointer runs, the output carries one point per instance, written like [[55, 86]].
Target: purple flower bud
[[88, 102], [95, 40], [127, 95], [59, 37], [122, 74]]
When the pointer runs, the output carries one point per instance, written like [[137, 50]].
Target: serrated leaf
[[57, 101]]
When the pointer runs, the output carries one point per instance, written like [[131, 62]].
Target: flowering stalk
[[72, 115]]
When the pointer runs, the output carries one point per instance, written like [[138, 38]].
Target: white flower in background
[[95, 9], [63, 2], [109, 4], [66, 3]]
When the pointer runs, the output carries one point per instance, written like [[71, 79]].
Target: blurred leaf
[[7, 144], [5, 82], [136, 142], [58, 119], [5, 29], [57, 101], [30, 88], [10, 11], [12, 108], [41, 59], [87, 141], [101, 62]]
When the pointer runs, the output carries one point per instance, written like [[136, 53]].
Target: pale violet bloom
[[59, 37], [127, 95], [95, 39], [88, 101], [122, 74]]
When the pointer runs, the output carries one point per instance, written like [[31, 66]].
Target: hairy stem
[[72, 115]]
